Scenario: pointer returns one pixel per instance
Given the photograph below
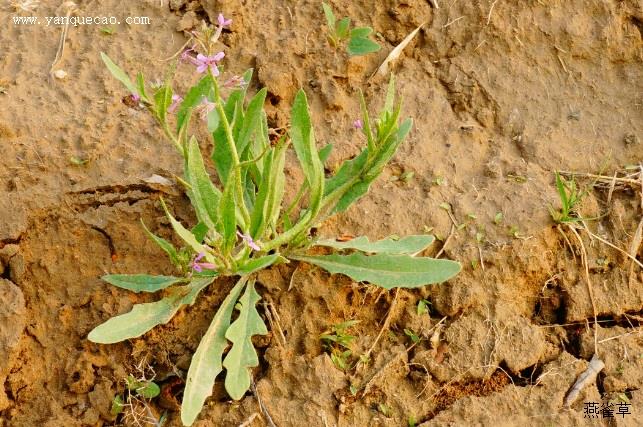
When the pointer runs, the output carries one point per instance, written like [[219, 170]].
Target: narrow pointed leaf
[[257, 264], [169, 249], [119, 74], [251, 120], [205, 195], [163, 100], [330, 17], [303, 141], [242, 356], [187, 235], [144, 317], [141, 282], [207, 360], [387, 271], [407, 245], [194, 96], [227, 218]]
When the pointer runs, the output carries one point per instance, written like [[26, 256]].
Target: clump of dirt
[[502, 94]]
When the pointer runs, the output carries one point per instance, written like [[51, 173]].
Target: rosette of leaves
[[244, 226]]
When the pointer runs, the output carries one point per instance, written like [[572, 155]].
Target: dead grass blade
[[396, 52]]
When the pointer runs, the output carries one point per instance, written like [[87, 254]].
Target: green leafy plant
[[359, 42], [337, 342], [244, 227], [570, 197]]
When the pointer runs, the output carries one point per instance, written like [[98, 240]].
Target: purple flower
[[234, 81], [187, 57], [223, 22], [203, 62], [205, 108], [248, 240], [357, 124], [176, 100], [199, 266]]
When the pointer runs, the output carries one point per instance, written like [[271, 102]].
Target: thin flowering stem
[[199, 266]]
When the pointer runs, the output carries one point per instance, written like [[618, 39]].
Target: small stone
[[631, 139], [60, 74]]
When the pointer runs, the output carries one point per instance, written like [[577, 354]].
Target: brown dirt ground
[[503, 93]]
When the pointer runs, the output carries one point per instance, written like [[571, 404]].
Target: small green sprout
[[423, 307], [144, 388], [412, 422], [440, 181], [337, 342], [497, 219], [359, 42], [385, 410], [3, 90], [414, 337], [570, 197], [78, 161], [117, 405], [108, 31]]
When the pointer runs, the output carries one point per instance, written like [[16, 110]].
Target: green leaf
[[205, 195], [330, 17], [242, 356], [406, 245], [117, 405], [222, 155], [140, 85], [148, 390], [227, 218], [141, 282], [187, 236], [342, 28], [144, 317], [206, 362], [361, 32], [324, 152], [385, 270], [169, 249], [119, 73], [251, 120], [199, 231], [361, 46], [390, 95], [194, 97], [271, 190], [303, 140], [257, 264], [163, 100]]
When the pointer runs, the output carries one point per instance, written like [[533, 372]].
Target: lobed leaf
[[120, 75], [141, 282], [144, 317], [407, 245], [242, 356], [386, 270], [207, 360]]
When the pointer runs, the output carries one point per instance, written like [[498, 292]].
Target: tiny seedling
[[414, 337], [337, 342], [423, 307], [498, 217], [359, 42], [570, 197], [108, 31], [242, 224]]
